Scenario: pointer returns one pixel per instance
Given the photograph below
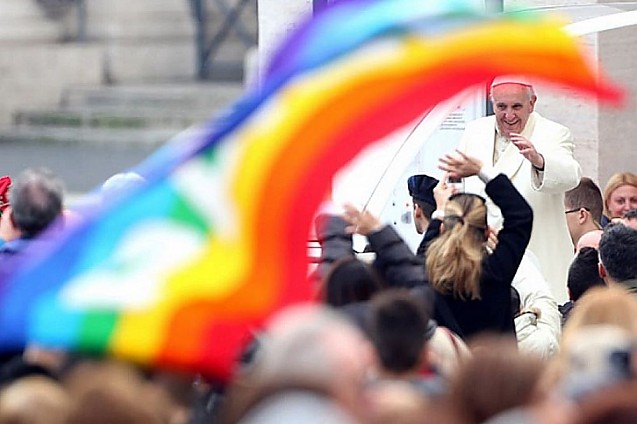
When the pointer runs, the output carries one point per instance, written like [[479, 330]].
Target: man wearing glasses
[[583, 207]]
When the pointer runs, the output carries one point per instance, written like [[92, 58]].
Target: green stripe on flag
[[183, 211], [96, 331]]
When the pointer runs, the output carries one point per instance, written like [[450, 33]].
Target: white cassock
[[544, 190]]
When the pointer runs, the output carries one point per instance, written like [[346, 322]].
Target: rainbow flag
[[178, 272]]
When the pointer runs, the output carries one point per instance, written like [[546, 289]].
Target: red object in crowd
[[5, 184]]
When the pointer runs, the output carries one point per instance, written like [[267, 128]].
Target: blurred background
[[92, 87]]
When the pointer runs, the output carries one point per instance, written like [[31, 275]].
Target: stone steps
[[95, 132], [55, 135], [18, 31], [114, 119], [187, 96], [142, 114], [23, 21], [167, 106], [88, 110]]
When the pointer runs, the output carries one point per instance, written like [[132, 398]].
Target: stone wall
[[34, 66], [137, 41], [617, 149], [603, 134], [35, 76], [144, 40]]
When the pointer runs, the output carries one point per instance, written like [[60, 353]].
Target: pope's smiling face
[[513, 104]]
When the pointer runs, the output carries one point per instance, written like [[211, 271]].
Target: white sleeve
[[561, 171], [487, 173]]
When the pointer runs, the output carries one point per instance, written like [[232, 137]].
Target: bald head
[[589, 239]]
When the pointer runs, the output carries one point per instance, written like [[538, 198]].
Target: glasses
[[576, 210]]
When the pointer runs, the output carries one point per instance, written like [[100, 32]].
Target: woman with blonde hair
[[472, 288], [476, 285], [620, 195]]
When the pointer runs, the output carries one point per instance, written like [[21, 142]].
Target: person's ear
[[533, 100], [602, 271], [417, 211], [582, 215], [442, 228]]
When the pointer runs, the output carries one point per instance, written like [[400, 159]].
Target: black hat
[[421, 187]]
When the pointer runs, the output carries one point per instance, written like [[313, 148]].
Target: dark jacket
[[401, 268], [335, 242], [492, 312], [395, 262]]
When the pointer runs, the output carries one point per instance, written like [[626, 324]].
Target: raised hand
[[460, 165], [527, 150], [442, 192], [360, 222]]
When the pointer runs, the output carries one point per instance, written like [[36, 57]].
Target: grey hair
[[300, 346], [36, 199]]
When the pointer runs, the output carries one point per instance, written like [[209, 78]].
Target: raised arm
[[515, 234], [517, 214], [335, 241], [554, 144], [394, 259], [441, 193]]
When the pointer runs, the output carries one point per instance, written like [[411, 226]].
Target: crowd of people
[[517, 307]]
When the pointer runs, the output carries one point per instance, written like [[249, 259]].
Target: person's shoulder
[[549, 124], [11, 247]]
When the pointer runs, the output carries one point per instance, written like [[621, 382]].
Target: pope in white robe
[[537, 155]]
